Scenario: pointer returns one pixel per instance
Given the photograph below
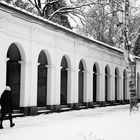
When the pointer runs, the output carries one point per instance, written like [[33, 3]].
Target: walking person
[[6, 106]]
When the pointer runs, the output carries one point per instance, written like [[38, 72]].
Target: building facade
[[51, 67]]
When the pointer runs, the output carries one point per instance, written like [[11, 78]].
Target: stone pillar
[[120, 88], [138, 87], [99, 90], [109, 88], [112, 90], [24, 86], [33, 92], [101, 98], [85, 98], [127, 90], [69, 87], [75, 87], [50, 86], [90, 88], [57, 89], [3, 69]]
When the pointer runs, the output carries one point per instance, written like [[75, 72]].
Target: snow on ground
[[107, 123]]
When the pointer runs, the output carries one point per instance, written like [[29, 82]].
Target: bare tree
[[128, 44], [102, 21], [57, 10]]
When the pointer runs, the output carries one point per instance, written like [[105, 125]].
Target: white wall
[[32, 37]]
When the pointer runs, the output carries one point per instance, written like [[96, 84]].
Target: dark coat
[[6, 102]]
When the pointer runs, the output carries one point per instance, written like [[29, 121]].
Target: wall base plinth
[[120, 101], [125, 101], [29, 111], [73, 106], [101, 103], [54, 108], [112, 103], [89, 104]]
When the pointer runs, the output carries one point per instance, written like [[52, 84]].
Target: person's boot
[[12, 125], [1, 127]]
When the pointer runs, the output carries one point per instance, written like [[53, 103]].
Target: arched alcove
[[64, 81], [107, 83], [81, 83], [42, 80], [95, 81], [116, 84], [138, 85], [124, 85], [13, 73]]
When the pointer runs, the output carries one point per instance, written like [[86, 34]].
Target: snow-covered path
[[108, 123]]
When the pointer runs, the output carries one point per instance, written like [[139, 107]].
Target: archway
[[81, 83], [95, 82], [116, 84], [42, 80], [138, 85], [107, 83], [124, 85], [64, 81], [13, 73]]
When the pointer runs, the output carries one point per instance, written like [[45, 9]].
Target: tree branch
[[68, 9], [47, 4], [136, 37]]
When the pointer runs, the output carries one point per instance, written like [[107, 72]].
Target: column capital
[[21, 62], [59, 67], [69, 69], [48, 66], [7, 59], [119, 77], [97, 73], [109, 75], [85, 71]]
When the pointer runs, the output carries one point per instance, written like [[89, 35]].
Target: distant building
[[52, 68]]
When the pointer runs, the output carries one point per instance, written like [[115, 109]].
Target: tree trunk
[[129, 59]]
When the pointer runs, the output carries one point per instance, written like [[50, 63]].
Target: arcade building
[[50, 68]]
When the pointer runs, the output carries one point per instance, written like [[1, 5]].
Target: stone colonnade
[[51, 67]]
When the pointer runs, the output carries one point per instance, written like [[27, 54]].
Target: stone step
[[117, 103], [107, 104], [14, 115], [96, 105], [82, 107], [17, 113], [42, 108], [44, 111], [62, 109], [125, 102]]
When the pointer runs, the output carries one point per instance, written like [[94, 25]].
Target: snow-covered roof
[[13, 7]]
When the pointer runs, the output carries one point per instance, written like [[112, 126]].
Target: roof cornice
[[34, 18]]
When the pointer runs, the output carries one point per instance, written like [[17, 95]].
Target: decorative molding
[[2, 23], [21, 62], [85, 71], [48, 66], [69, 69], [7, 59]]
